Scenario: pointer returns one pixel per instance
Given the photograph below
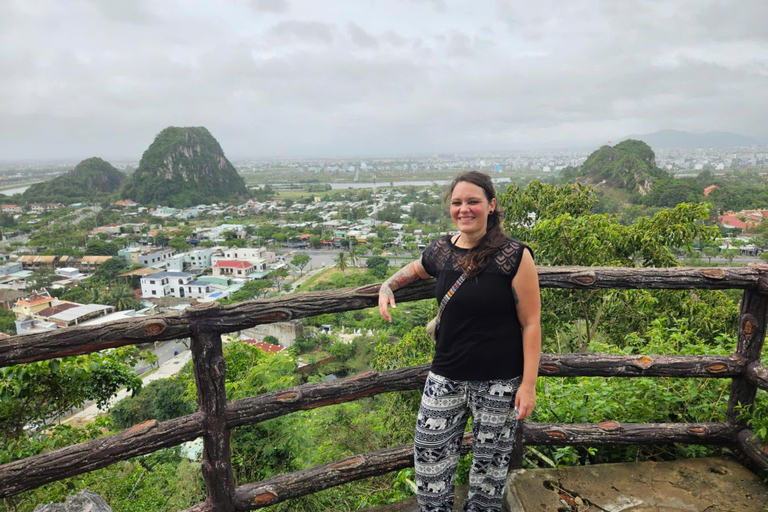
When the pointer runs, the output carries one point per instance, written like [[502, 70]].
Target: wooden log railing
[[204, 324]]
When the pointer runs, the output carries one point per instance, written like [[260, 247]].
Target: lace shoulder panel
[[508, 258]]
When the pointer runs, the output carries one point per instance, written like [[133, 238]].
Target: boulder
[[84, 501]]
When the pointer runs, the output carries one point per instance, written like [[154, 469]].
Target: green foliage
[[90, 181], [97, 247], [7, 321], [162, 400], [251, 290], [110, 269], [300, 261], [651, 400], [39, 393], [159, 482], [390, 213], [271, 340], [378, 266], [199, 172]]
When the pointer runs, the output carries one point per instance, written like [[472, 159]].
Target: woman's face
[[470, 209]]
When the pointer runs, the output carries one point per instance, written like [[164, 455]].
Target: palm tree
[[341, 264], [123, 298], [354, 256]]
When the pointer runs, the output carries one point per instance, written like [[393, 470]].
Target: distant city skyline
[[305, 78]]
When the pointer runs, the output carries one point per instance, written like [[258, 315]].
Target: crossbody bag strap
[[447, 297]]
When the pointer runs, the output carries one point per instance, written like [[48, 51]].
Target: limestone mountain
[[184, 166], [629, 165], [92, 179]]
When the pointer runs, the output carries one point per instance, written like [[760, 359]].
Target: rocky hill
[[184, 167], [629, 165], [90, 180]]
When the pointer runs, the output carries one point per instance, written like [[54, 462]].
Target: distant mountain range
[[679, 139]]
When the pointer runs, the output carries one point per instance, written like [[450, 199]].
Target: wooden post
[[516, 461], [209, 365], [754, 308]]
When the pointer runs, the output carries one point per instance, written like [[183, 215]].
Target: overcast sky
[[295, 78]]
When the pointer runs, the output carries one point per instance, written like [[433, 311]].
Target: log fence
[[215, 418]]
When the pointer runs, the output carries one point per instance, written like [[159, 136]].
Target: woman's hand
[[408, 274], [525, 400], [386, 298]]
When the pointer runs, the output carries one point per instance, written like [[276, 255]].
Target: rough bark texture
[[210, 370], [754, 307], [603, 365], [757, 374], [309, 396], [615, 433], [752, 452], [76, 340], [141, 439], [674, 278]]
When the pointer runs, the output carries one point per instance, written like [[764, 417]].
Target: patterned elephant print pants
[[446, 405]]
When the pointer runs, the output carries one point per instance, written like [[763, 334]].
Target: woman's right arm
[[410, 273]]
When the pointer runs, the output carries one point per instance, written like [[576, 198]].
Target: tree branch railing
[[204, 324]]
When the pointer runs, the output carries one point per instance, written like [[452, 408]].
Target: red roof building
[[266, 347], [235, 268]]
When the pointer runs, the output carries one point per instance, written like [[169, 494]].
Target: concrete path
[[692, 485], [167, 369]]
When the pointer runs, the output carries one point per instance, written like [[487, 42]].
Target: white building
[[233, 268], [200, 258], [152, 258], [165, 284]]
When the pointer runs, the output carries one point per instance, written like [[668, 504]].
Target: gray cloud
[[103, 78], [361, 38], [274, 6]]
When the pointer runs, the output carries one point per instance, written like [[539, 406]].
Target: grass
[[326, 275]]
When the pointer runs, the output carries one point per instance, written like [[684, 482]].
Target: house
[[32, 304], [10, 268], [233, 268], [199, 258], [89, 264], [153, 257], [164, 284], [126, 203], [11, 208], [266, 347]]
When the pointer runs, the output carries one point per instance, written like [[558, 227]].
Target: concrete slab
[[692, 485]]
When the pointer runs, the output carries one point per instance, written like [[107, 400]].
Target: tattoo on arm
[[514, 295], [401, 278]]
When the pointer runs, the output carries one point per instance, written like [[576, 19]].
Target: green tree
[[300, 261], [123, 298], [565, 232], [7, 321], [98, 247], [110, 269], [41, 279], [378, 266], [40, 393], [178, 244], [341, 264]]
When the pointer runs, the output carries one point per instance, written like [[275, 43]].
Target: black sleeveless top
[[480, 337]]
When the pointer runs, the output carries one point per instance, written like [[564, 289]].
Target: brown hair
[[480, 255]]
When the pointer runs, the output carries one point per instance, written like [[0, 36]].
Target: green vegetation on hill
[[184, 167], [91, 180], [629, 165]]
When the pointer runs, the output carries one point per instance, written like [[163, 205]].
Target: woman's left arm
[[525, 289]]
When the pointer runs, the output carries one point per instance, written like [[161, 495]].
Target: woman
[[487, 351]]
